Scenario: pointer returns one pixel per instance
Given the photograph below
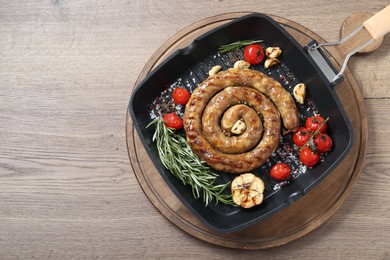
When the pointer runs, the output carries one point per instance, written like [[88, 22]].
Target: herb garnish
[[178, 157], [235, 45]]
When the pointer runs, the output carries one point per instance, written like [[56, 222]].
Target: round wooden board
[[295, 221]]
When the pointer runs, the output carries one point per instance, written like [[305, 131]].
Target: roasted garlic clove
[[214, 70], [241, 64], [299, 92], [247, 190], [273, 52], [271, 62], [239, 127]]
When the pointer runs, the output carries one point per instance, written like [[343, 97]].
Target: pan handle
[[379, 24]]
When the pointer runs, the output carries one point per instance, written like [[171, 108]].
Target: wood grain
[[67, 190]]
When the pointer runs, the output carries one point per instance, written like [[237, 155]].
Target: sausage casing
[[223, 91]]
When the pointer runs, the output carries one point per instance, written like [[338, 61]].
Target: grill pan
[[191, 65]]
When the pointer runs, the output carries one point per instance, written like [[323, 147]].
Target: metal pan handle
[[377, 26]]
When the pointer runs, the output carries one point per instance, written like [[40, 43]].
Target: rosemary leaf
[[177, 156], [236, 45]]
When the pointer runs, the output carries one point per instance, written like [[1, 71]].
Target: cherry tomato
[[181, 96], [254, 54], [314, 122], [323, 142], [301, 136], [280, 171], [308, 157], [173, 121]]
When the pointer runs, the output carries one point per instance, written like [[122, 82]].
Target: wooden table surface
[[67, 190]]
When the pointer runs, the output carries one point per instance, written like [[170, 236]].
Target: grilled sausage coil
[[231, 95]]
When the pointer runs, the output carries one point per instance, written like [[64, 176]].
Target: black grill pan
[[189, 66]]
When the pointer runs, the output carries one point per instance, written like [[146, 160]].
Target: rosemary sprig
[[235, 45], [178, 157]]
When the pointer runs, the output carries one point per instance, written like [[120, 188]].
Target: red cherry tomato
[[280, 171], [314, 122], [254, 54], [308, 157], [173, 121], [301, 136], [323, 142], [181, 96]]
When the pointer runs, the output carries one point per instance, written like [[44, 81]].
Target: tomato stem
[[316, 132]]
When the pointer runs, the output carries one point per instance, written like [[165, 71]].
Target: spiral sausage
[[219, 101]]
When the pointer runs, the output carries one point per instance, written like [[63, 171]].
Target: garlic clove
[[273, 52], [241, 64], [214, 70], [239, 127], [271, 62], [299, 93]]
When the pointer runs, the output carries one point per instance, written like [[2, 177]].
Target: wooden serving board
[[295, 221]]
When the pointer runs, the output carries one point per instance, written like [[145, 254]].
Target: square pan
[[192, 63]]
